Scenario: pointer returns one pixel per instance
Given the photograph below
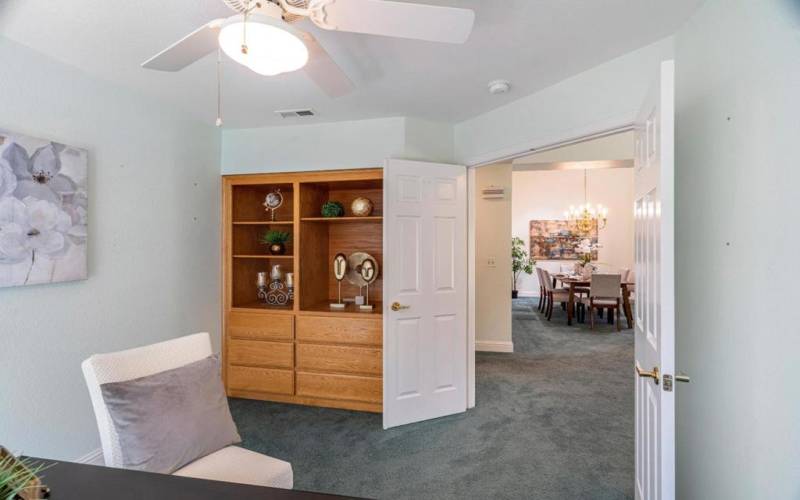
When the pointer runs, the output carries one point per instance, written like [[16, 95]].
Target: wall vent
[[295, 113]]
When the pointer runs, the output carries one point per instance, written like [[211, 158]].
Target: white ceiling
[[532, 43]]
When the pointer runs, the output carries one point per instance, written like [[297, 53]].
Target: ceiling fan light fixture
[[271, 45]]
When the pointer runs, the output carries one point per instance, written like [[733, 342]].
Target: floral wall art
[[43, 211]]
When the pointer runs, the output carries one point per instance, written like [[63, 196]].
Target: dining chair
[[542, 291], [604, 293], [553, 294]]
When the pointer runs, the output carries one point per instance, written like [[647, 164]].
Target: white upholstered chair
[[231, 464], [553, 294], [604, 293]]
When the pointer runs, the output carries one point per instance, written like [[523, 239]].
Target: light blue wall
[[606, 96], [351, 144], [153, 247], [737, 175]]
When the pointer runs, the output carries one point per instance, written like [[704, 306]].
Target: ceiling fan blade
[[324, 71], [397, 19], [187, 50]]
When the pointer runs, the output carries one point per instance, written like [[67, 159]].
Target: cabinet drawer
[[260, 353], [334, 358], [339, 330], [346, 387], [249, 325], [247, 378]]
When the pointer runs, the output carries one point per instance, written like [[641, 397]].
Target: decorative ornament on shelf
[[586, 216], [276, 241], [332, 209], [355, 274], [361, 207], [339, 272], [273, 201], [276, 293], [369, 273]]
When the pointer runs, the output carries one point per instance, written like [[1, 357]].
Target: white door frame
[[568, 138]]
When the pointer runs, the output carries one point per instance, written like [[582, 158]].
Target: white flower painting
[[43, 211]]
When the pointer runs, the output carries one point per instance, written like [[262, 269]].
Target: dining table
[[573, 282]]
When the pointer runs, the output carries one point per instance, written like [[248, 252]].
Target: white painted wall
[[153, 247], [738, 82], [546, 194], [603, 97], [493, 241], [353, 144]]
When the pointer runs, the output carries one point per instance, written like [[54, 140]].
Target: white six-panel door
[[425, 275], [655, 291]]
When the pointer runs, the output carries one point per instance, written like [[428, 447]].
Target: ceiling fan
[[261, 35]]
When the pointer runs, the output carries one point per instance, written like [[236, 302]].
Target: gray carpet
[[553, 420]]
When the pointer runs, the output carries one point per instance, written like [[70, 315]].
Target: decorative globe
[[361, 207]]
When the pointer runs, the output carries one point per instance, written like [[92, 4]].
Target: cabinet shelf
[[265, 256], [350, 310], [370, 218], [263, 223]]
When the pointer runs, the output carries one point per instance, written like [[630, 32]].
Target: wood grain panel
[[247, 378], [324, 329], [355, 237], [255, 326], [347, 387], [261, 353], [345, 359]]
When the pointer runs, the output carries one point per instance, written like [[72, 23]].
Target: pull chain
[[219, 87]]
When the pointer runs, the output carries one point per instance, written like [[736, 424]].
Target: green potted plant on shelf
[[332, 209], [276, 241], [520, 263]]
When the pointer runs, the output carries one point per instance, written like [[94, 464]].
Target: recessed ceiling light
[[499, 87]]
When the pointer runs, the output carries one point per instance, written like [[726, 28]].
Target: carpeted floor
[[553, 420]]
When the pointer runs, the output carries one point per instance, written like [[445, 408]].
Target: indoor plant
[[332, 209], [520, 263], [276, 241], [18, 477]]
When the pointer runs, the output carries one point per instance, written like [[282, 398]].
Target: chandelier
[[586, 217]]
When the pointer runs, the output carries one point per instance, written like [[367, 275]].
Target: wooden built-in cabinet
[[303, 352]]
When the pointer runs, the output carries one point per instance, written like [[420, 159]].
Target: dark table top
[[68, 481]]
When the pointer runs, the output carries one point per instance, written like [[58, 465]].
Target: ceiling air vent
[[295, 113]]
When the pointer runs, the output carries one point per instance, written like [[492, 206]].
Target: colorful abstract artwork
[[556, 240]]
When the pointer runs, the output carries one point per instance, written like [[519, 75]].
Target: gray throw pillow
[[169, 419]]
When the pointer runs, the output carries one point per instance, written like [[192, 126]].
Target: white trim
[[94, 457], [471, 314], [494, 346], [520, 293], [581, 134]]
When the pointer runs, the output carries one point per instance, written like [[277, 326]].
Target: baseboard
[[94, 457], [528, 294], [494, 346]]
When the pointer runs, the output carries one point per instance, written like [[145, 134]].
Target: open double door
[[425, 290]]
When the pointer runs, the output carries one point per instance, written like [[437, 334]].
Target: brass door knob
[[653, 374], [397, 306]]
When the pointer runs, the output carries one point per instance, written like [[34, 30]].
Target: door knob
[[653, 374], [397, 306]]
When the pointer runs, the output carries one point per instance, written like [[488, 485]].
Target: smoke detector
[[499, 87]]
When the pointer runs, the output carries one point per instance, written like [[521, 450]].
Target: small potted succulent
[[332, 209], [276, 241]]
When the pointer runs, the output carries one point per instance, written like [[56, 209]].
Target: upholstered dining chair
[[542, 289], [231, 464], [553, 294], [604, 293]]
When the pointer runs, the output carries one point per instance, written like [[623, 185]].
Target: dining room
[[554, 299]]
